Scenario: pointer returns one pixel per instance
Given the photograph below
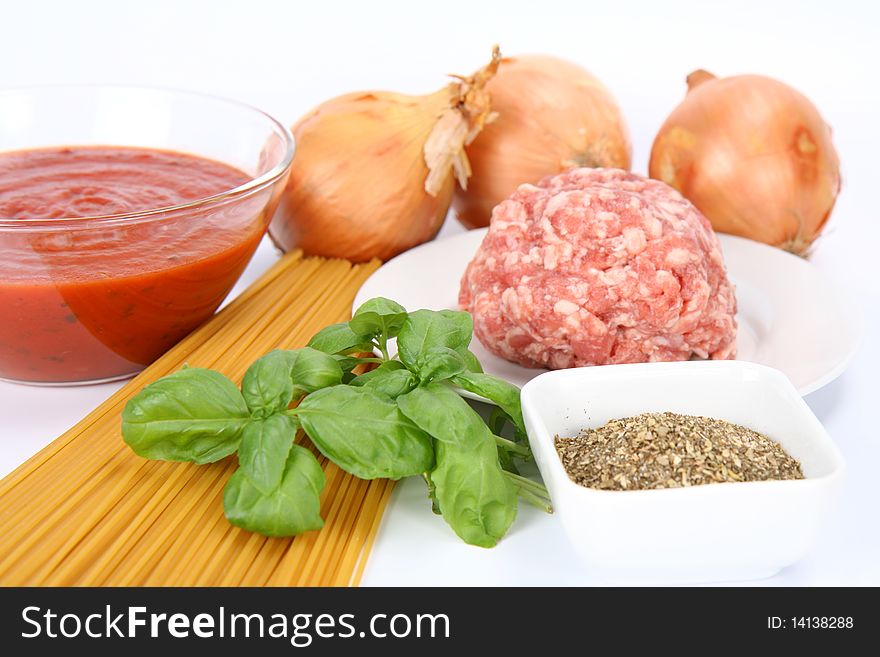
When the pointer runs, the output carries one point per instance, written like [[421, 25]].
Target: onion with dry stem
[[754, 156], [374, 171], [553, 115]]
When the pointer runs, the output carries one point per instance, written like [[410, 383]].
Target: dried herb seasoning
[[668, 450]]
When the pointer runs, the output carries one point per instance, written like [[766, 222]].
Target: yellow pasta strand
[[360, 550]]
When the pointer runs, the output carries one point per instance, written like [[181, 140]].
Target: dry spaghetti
[[87, 511]]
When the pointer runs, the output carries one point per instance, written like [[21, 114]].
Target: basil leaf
[[473, 363], [424, 329], [347, 363], [500, 392], [272, 381], [267, 386], [192, 415], [312, 370], [393, 384], [379, 316], [381, 306], [364, 433], [439, 363], [475, 497], [391, 378], [263, 452], [440, 412], [291, 508], [384, 368], [340, 339]]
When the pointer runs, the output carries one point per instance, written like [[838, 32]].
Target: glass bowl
[[98, 298]]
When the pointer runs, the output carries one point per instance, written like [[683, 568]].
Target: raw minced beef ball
[[598, 266]]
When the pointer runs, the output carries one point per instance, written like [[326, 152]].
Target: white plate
[[790, 316]]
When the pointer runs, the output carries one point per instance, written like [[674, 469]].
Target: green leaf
[[391, 378], [475, 497], [293, 507], [500, 392], [271, 382], [267, 386], [364, 433], [347, 363], [263, 452], [378, 316], [312, 370], [424, 329], [192, 415], [340, 339], [439, 363], [382, 370], [440, 412], [473, 363], [393, 383]]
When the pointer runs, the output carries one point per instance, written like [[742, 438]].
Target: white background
[[285, 57]]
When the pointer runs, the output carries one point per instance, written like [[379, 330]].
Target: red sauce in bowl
[[89, 299]]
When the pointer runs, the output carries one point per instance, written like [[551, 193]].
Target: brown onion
[[754, 156], [553, 115], [374, 171]]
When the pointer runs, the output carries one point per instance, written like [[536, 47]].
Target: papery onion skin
[[337, 203], [374, 171], [552, 115], [754, 155]]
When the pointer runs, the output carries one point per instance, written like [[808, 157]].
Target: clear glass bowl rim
[[252, 185]]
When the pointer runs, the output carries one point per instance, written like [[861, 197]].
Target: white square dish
[[714, 532]]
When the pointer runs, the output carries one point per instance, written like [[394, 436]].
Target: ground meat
[[598, 266]]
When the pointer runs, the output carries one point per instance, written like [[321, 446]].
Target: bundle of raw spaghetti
[[88, 511]]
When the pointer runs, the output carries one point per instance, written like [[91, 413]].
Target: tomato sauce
[[85, 299]]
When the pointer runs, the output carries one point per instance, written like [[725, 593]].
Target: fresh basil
[[437, 410], [292, 507], [271, 382], [380, 371], [365, 433], [312, 370], [340, 339], [393, 383], [193, 415], [267, 386], [265, 444], [347, 363], [404, 417], [500, 392], [439, 363], [378, 316], [475, 497], [390, 378], [424, 329], [473, 363]]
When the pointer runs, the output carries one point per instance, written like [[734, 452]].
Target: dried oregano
[[668, 450]]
